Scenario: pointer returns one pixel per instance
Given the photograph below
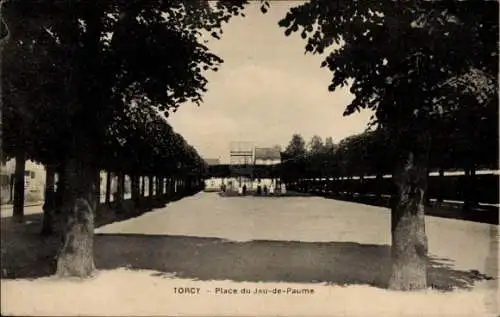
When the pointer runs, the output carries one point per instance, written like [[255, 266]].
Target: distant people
[[259, 190], [271, 189], [283, 189], [240, 190], [265, 189], [244, 189]]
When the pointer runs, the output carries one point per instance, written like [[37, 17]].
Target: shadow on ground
[[25, 253], [252, 193], [483, 214], [339, 263]]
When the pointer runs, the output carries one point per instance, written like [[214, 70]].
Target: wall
[[34, 181]]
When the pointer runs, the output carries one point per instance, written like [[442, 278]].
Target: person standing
[[283, 189]]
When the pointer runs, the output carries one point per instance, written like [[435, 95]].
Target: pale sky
[[266, 90]]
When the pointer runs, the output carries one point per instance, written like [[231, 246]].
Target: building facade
[[34, 181], [267, 155]]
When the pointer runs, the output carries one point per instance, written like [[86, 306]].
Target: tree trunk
[[120, 189], [161, 197], [151, 187], [49, 205], [76, 257], [108, 187], [135, 191], [378, 181], [469, 188], [440, 187], [168, 191], [409, 241], [61, 185], [18, 212], [157, 187], [11, 188], [97, 190], [143, 186]]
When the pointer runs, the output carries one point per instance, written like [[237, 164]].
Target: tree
[[399, 56], [296, 147], [106, 55], [329, 145], [316, 145]]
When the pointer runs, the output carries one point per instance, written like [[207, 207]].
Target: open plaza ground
[[285, 256]]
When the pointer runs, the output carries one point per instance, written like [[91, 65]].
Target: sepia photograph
[[249, 158]]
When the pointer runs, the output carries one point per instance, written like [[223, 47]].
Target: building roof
[[267, 153], [212, 161]]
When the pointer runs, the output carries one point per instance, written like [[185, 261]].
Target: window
[[32, 174]]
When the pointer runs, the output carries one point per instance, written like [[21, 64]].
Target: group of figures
[[259, 189]]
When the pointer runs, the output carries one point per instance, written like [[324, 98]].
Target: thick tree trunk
[[409, 240], [18, 212], [76, 257], [49, 205], [107, 198]]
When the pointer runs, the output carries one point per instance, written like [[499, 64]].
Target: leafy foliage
[[96, 75], [400, 54], [316, 145], [373, 153], [295, 148]]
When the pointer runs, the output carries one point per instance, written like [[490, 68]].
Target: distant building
[[245, 159], [267, 156], [241, 153], [214, 183], [34, 181]]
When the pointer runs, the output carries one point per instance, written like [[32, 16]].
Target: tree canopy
[[75, 63], [397, 57]]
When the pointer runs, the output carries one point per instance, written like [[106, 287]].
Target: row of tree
[[372, 153], [425, 69], [83, 88]]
